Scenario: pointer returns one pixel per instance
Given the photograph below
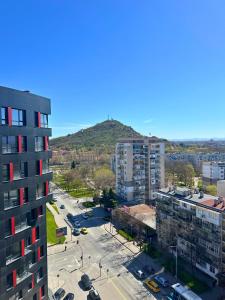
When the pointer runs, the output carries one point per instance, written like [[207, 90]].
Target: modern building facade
[[212, 172], [140, 168], [24, 190], [195, 223]]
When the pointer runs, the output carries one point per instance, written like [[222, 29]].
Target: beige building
[[140, 170]]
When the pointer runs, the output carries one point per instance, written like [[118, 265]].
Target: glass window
[[40, 274], [9, 281], [20, 170], [5, 172], [40, 190], [13, 252], [39, 143], [45, 166], [4, 116], [9, 144], [20, 222], [24, 143], [18, 117], [11, 199], [44, 120]]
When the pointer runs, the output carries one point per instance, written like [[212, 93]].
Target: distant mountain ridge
[[102, 135]]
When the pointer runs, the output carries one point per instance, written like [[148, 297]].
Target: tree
[[211, 189], [104, 178], [73, 165]]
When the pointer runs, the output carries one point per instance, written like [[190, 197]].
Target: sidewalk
[[60, 222], [129, 245]]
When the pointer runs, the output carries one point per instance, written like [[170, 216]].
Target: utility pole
[[100, 269]]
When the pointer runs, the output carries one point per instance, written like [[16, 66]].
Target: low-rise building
[[195, 223], [138, 220]]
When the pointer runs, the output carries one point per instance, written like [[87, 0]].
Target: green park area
[[51, 230]]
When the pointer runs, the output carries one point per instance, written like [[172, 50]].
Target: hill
[[103, 135]]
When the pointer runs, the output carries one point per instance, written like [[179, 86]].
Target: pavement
[[101, 246]]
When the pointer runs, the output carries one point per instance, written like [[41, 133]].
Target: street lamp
[[107, 273], [100, 269], [58, 279]]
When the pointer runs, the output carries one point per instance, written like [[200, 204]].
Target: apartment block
[[195, 223], [24, 190], [212, 172], [140, 168]]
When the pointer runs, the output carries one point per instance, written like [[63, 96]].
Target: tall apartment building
[[140, 170], [195, 223], [24, 190], [212, 172]]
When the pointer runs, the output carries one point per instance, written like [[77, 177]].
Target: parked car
[[62, 206], [161, 280], [69, 296], [84, 230], [90, 213], [139, 274], [85, 216], [59, 294], [76, 231], [77, 224], [94, 295], [86, 282], [152, 285]]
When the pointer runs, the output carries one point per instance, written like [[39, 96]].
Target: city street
[[98, 247]]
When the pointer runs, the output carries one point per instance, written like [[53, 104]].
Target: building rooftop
[[196, 196], [143, 213]]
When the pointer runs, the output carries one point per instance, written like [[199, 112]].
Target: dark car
[[69, 296], [76, 231], [86, 282], [59, 294], [94, 295], [62, 206]]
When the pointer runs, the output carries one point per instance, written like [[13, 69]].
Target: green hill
[[103, 135]]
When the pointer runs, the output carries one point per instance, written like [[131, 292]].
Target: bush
[[88, 204], [125, 235]]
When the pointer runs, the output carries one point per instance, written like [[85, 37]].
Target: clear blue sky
[[158, 66]]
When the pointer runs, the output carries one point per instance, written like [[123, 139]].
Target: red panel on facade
[[21, 196], [14, 278], [13, 226], [39, 253], [33, 235], [11, 171], [46, 188], [46, 143], [22, 248], [19, 143], [39, 119], [40, 293], [32, 282], [9, 116], [40, 167]]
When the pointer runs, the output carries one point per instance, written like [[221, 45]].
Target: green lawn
[[88, 204], [82, 192], [55, 207], [125, 235], [51, 228]]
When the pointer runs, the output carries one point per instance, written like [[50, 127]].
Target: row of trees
[[180, 172]]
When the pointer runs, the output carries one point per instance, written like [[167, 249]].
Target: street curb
[[124, 244]]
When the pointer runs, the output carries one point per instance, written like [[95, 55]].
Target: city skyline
[[158, 67]]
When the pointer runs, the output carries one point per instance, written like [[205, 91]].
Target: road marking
[[118, 290]]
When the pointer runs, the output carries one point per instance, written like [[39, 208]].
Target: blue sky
[[158, 66]]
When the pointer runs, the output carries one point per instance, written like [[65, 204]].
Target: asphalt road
[[115, 281]]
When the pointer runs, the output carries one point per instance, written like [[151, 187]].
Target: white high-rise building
[[213, 171], [140, 168]]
